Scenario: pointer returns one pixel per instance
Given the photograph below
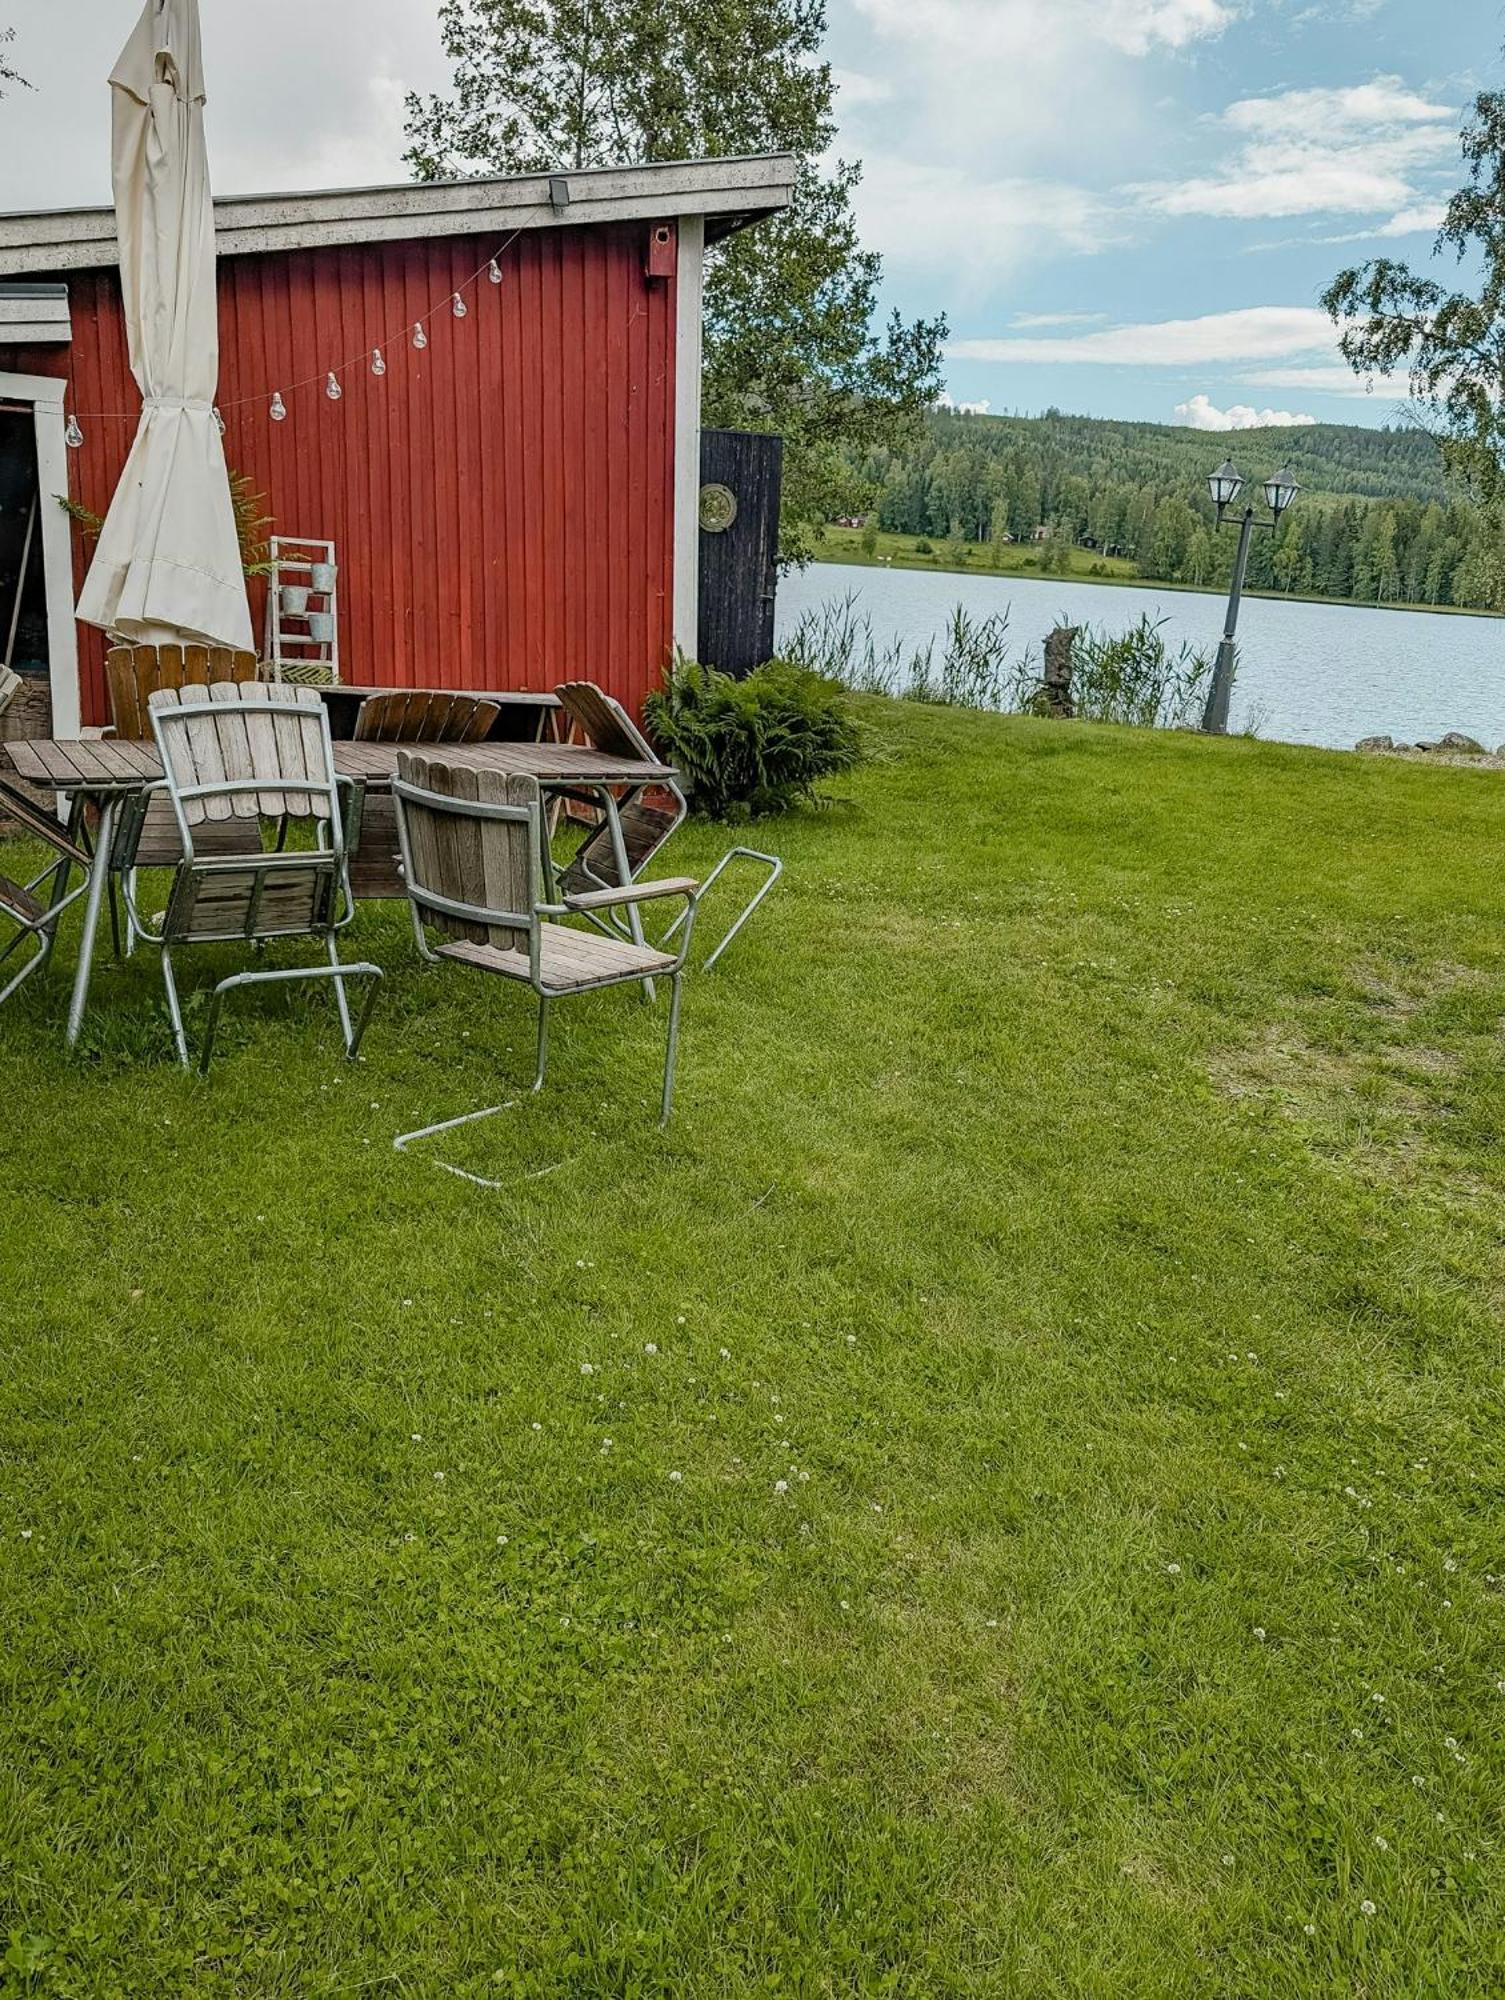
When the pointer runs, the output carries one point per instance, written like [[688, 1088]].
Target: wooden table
[[105, 771]]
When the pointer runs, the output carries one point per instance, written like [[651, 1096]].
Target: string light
[[277, 408]]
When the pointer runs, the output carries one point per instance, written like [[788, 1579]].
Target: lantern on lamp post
[[1225, 485]]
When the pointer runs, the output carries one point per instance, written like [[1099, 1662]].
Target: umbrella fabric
[[168, 565]]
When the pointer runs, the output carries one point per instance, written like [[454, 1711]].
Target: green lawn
[[1003, 1499]]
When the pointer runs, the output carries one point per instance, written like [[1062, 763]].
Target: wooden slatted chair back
[[136, 673], [603, 722], [489, 860], [645, 828], [425, 715], [215, 741]]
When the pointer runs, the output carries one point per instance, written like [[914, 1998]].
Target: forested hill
[[1375, 520]]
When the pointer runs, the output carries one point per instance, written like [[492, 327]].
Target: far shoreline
[[926, 565]]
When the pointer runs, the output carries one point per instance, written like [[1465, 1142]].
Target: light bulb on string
[[279, 409], [495, 273], [378, 363], [74, 434], [459, 307], [420, 338], [332, 387]]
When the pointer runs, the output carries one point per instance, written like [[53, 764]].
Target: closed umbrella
[[168, 564]]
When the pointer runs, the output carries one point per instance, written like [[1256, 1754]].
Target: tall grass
[[1137, 678], [969, 665], [1134, 677]]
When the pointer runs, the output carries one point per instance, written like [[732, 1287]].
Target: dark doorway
[[742, 478], [23, 586]]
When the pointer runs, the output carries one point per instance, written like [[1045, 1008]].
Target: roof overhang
[[35, 315], [728, 193]]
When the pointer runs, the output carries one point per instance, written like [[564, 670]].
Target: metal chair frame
[[603, 846], [422, 898], [40, 928], [335, 814]]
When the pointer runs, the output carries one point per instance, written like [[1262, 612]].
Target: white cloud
[[945, 401], [1334, 380], [1202, 414], [1254, 333], [299, 95], [1043, 320], [1424, 219], [855, 86], [973, 232], [1137, 25], [1348, 151]]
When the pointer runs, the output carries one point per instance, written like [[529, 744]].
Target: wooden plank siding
[[503, 501]]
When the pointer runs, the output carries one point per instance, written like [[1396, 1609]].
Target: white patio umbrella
[[168, 565]]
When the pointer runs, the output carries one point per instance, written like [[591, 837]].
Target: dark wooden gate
[[741, 480]]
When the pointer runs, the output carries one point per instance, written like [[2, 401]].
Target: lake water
[[1308, 673]]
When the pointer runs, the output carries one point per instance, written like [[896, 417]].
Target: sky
[[1124, 207]]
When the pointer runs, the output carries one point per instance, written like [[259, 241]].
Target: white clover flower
[[1227, 1860], [675, 1478], [1259, 1631], [650, 1347], [538, 1427], [1367, 1907], [501, 1541], [1310, 1929], [1381, 1843], [781, 1486], [587, 1368], [726, 1354], [1378, 1697], [1173, 1569], [1418, 1782]]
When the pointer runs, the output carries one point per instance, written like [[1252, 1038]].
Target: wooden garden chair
[[253, 753], [645, 825], [472, 849], [36, 916], [425, 715], [406, 716], [134, 674]]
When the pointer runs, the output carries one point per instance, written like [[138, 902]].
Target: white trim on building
[[726, 194], [687, 371], [45, 394]]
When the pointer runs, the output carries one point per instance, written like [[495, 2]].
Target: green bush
[[752, 746]]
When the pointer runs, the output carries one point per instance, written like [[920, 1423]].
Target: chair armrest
[[639, 892], [354, 790]]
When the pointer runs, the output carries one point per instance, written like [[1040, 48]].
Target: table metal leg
[[624, 877], [99, 875]]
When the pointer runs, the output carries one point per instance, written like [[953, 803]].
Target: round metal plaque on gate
[[718, 508]]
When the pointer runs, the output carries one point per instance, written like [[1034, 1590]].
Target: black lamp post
[[1225, 485]]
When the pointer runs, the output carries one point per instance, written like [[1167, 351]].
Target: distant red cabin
[[515, 503]]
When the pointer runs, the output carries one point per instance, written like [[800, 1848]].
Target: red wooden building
[[514, 503]]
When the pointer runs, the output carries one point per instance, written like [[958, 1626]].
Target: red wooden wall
[[503, 501]]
